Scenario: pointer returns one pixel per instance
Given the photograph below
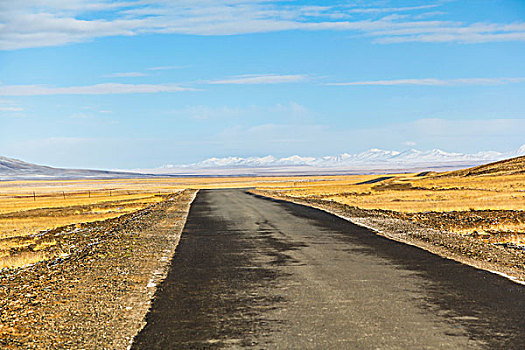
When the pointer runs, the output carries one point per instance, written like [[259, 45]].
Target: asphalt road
[[255, 272]]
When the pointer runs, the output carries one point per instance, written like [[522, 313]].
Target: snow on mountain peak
[[374, 157]]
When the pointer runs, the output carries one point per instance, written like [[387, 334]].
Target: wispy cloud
[[97, 89], [10, 109], [9, 106], [435, 82], [80, 115], [207, 112], [164, 68], [126, 75], [34, 23], [261, 79], [391, 9], [452, 32]]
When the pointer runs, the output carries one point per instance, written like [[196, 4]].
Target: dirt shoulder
[[96, 297], [468, 249]]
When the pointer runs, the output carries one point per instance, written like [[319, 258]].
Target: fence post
[[34, 196]]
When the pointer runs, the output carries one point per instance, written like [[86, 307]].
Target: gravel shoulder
[[95, 297], [504, 260]]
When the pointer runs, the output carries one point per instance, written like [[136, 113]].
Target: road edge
[[160, 274], [507, 273]]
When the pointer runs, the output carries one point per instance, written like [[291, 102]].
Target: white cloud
[[435, 82], [126, 75], [425, 15], [9, 106], [207, 112], [165, 67], [391, 9], [10, 109], [261, 79], [409, 143], [92, 118], [98, 89], [80, 115], [453, 32], [35, 23]]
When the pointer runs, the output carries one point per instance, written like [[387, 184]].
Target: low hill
[[513, 166], [14, 169]]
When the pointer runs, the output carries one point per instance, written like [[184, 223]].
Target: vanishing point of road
[[266, 274]]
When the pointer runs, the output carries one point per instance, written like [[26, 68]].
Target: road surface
[[266, 274]]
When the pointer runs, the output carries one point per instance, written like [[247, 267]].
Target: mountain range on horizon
[[372, 158], [369, 161]]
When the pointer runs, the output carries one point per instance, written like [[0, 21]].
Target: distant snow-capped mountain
[[374, 157]]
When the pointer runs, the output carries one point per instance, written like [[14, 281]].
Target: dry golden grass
[[22, 259], [411, 193], [110, 198], [18, 217], [27, 207], [22, 203]]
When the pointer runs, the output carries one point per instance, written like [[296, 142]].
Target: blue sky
[[140, 84]]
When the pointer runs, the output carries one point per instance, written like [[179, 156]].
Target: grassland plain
[[484, 203], [30, 211]]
